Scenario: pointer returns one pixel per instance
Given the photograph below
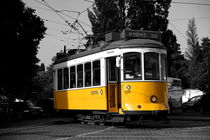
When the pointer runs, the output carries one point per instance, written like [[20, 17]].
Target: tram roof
[[132, 43]]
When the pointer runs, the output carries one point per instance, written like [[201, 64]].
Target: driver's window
[[132, 66]]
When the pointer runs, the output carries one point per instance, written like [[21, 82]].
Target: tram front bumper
[[146, 113]]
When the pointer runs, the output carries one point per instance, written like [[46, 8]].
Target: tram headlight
[[153, 99]]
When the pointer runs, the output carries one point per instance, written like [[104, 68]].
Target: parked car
[[5, 110], [192, 104], [26, 109], [204, 104], [189, 93], [47, 104]]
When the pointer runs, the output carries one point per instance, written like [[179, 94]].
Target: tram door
[[113, 85]]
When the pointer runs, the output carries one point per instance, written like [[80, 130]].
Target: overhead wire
[[58, 14], [68, 23], [197, 18], [177, 30], [191, 3], [59, 23]]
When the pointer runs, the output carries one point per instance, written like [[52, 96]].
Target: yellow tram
[[124, 78]]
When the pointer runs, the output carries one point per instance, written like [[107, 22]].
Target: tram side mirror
[[118, 61]]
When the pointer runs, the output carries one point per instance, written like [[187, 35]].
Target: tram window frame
[[80, 76], [60, 79], [149, 73], [88, 74], [112, 70], [72, 77], [96, 72], [66, 78], [163, 59], [54, 80], [135, 73]]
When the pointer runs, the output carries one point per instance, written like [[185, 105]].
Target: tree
[[197, 58], [21, 33], [200, 80], [43, 83], [177, 65], [42, 67], [135, 14], [148, 15], [105, 17], [192, 40]]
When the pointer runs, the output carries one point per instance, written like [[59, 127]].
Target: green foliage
[[21, 33], [177, 65], [135, 14], [199, 78], [148, 15], [192, 40], [104, 17], [197, 73], [43, 83]]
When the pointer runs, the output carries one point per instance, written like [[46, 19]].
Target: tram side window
[[163, 67], [151, 66], [60, 79], [87, 74], [72, 77], [80, 75], [96, 73], [66, 78], [132, 66]]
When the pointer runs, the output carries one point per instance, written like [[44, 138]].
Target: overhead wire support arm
[[81, 27]]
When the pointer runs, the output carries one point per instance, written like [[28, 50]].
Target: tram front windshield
[[154, 66]]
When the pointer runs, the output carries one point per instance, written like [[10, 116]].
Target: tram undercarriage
[[104, 118]]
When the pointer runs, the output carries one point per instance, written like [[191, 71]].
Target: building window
[[60, 79], [72, 77], [151, 66], [66, 78], [80, 75], [132, 66], [87, 74], [163, 67], [96, 73]]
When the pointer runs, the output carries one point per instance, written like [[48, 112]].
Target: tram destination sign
[[132, 34]]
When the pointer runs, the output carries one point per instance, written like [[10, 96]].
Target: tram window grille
[[60, 78], [72, 77], [87, 74], [151, 66], [80, 75], [66, 78], [96, 73]]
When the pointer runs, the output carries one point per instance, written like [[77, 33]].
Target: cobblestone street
[[182, 126]]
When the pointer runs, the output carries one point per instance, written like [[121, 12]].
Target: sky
[[59, 32]]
